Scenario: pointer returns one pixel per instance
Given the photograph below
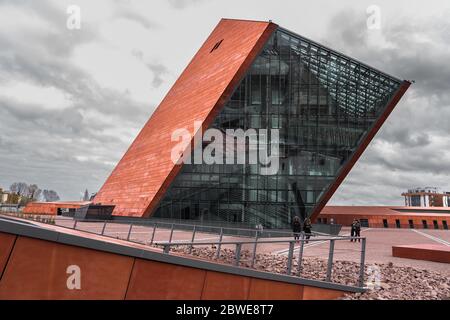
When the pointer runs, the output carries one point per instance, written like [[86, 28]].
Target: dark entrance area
[[364, 223]]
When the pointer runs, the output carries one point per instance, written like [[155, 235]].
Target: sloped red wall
[[141, 178]]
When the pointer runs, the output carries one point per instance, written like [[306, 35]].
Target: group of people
[[297, 228]]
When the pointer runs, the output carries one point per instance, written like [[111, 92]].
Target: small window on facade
[[364, 223], [411, 224], [444, 224], [425, 224], [397, 224], [325, 220], [385, 223], [435, 224], [216, 46], [319, 220]]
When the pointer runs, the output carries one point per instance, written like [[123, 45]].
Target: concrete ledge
[[429, 252]]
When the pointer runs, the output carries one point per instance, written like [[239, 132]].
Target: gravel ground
[[385, 281]]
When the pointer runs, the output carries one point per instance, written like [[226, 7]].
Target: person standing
[[296, 228], [358, 230], [307, 228], [353, 230]]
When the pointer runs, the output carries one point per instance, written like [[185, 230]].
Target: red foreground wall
[[36, 269]]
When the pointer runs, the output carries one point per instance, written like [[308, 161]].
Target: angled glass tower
[[326, 106]]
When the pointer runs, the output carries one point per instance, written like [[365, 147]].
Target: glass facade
[[321, 102]]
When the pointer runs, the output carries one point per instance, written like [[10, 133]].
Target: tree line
[[32, 192]]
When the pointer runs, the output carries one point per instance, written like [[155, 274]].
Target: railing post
[[104, 227], [166, 248], [362, 263], [75, 225], [220, 244], [254, 249], [193, 238], [238, 254], [330, 260], [300, 255], [171, 234], [129, 232], [291, 253], [153, 234]]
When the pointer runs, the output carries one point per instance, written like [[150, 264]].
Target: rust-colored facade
[[144, 173], [388, 217], [51, 208]]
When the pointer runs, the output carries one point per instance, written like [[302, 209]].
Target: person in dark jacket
[[353, 230], [296, 227], [307, 227], [358, 230]]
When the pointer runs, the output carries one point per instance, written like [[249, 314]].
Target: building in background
[[7, 197], [388, 217], [3, 196], [426, 197]]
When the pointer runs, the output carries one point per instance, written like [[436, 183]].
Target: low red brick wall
[[429, 252], [376, 221], [50, 208]]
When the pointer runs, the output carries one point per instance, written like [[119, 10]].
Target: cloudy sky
[[71, 101]]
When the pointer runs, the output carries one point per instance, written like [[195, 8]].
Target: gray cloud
[[63, 147], [140, 19], [158, 69], [418, 49], [23, 64], [57, 148], [180, 4], [411, 148]]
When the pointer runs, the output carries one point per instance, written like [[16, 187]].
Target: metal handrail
[[238, 243], [152, 223], [186, 243]]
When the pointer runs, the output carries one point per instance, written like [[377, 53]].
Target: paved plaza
[[378, 250]]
